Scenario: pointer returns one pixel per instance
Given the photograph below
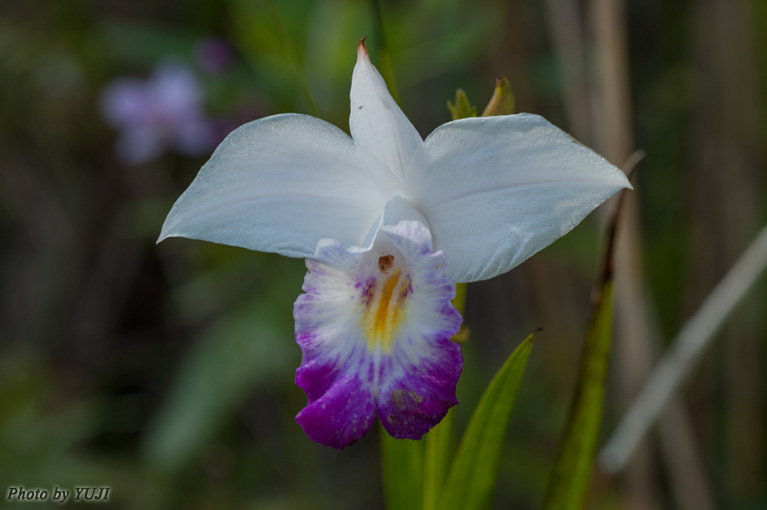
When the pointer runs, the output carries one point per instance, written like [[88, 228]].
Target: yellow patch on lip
[[385, 309]]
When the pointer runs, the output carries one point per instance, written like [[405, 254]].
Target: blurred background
[[166, 372]]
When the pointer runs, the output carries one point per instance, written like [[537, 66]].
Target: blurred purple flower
[[213, 55], [162, 112]]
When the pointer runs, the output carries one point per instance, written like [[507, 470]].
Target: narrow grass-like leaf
[[438, 446], [572, 472], [472, 477], [402, 466], [569, 481]]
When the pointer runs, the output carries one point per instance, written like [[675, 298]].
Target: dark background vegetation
[[166, 372]]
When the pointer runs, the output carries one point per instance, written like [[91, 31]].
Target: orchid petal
[[374, 327], [376, 122], [280, 184], [496, 190], [420, 381]]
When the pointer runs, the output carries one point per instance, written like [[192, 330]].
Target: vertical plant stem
[[635, 338], [564, 19], [437, 458], [402, 470], [637, 332]]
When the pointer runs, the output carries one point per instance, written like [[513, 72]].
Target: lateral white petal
[[376, 122], [280, 184], [498, 189]]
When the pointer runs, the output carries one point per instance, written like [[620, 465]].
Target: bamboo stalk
[[683, 354]]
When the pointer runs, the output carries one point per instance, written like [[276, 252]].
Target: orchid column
[[388, 222]]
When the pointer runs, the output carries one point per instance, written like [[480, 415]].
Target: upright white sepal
[[376, 122]]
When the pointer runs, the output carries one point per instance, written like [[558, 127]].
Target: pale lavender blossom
[[163, 112]]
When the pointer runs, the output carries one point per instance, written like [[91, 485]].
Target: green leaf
[[461, 108], [572, 472], [402, 465], [437, 457], [247, 347], [569, 481], [474, 471], [502, 102]]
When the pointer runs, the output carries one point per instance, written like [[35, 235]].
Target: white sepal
[[496, 190], [280, 184], [376, 122]]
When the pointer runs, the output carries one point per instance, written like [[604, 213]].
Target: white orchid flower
[[388, 222]]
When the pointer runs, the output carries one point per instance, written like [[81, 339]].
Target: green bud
[[461, 108], [502, 102]]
